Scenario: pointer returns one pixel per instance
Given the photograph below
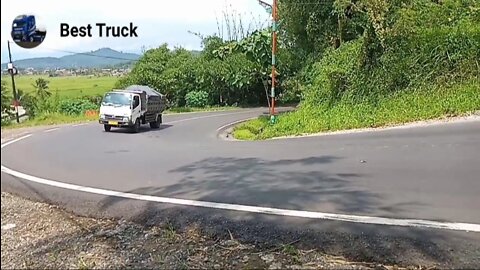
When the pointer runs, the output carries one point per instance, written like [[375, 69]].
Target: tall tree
[[41, 88]]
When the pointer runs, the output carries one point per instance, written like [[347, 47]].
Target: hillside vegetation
[[390, 62]]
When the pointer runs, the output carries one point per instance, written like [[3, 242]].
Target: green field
[[66, 86]]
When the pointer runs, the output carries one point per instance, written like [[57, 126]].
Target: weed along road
[[398, 195]]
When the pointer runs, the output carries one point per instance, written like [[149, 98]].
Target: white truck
[[132, 107]]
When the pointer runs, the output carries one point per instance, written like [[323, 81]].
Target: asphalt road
[[428, 173]]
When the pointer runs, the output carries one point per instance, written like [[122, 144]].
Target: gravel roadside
[[38, 235]]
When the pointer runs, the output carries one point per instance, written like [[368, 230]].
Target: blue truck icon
[[25, 29]]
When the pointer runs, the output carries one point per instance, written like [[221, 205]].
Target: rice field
[[72, 86]]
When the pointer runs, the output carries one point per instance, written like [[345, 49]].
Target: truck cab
[[130, 108], [24, 29]]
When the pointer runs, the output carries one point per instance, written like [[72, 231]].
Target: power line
[[93, 55]]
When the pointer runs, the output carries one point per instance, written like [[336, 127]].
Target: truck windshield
[[18, 24], [117, 99]]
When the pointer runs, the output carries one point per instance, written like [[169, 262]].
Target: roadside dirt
[[38, 235]]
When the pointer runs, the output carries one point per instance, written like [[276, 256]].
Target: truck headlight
[[102, 116], [126, 119]]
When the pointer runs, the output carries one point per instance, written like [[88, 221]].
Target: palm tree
[[41, 87]]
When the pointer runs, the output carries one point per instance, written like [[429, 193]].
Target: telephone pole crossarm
[[266, 5]]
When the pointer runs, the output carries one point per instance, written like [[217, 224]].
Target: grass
[[170, 232], [250, 129], [71, 87], [47, 119], [84, 264], [292, 252], [408, 106]]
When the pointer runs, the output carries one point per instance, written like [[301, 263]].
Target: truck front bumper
[[18, 38], [115, 123]]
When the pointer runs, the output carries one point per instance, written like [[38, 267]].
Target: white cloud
[[158, 21]]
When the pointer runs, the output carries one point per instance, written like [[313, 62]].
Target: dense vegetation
[[377, 62], [224, 73]]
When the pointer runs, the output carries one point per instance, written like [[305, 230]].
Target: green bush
[[292, 91], [95, 99], [5, 99], [76, 106], [333, 75], [6, 121], [198, 99]]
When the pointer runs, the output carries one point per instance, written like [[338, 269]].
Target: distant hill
[[104, 57]]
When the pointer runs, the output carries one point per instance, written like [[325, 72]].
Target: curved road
[[398, 195]]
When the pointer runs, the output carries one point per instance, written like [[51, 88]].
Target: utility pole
[[12, 71], [274, 52], [273, 9]]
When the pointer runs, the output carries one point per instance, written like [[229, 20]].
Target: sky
[[169, 21]]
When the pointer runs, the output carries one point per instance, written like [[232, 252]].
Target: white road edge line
[[207, 116], [236, 122], [50, 130], [469, 227], [78, 125], [15, 140], [186, 113]]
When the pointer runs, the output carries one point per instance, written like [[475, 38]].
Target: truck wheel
[[136, 126], [107, 128], [157, 123]]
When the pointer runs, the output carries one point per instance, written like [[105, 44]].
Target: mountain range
[[104, 57]]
